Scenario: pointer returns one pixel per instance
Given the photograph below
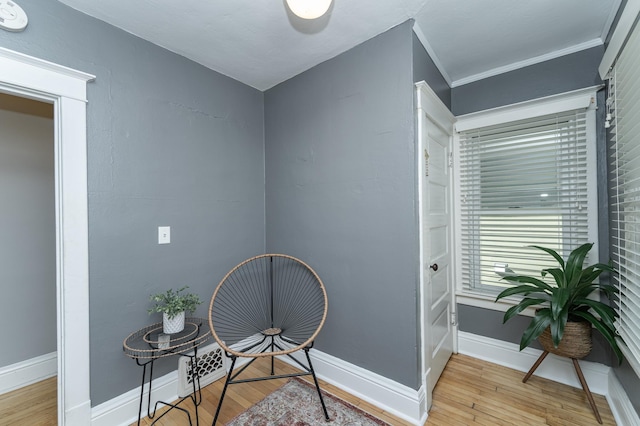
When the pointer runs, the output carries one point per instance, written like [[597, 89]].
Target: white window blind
[[624, 105], [522, 183]]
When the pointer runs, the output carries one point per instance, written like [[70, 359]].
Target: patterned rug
[[296, 403]]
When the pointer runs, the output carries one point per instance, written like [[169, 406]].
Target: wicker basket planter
[[575, 343]]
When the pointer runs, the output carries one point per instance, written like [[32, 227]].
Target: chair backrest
[[272, 304]]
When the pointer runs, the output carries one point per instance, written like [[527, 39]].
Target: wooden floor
[[33, 405], [470, 392]]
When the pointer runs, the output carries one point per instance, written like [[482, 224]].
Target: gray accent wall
[[170, 142], [341, 196], [27, 226], [424, 69], [559, 75]]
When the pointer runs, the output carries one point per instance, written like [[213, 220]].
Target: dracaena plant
[[567, 300]]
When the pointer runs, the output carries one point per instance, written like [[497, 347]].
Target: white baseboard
[[123, 409], [21, 374], [555, 368], [393, 397], [620, 403]]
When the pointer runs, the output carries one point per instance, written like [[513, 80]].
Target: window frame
[[573, 100]]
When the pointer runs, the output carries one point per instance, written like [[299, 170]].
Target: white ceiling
[[261, 43]]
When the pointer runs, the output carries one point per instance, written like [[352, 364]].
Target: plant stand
[[583, 382]]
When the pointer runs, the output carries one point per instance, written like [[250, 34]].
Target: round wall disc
[[12, 17]]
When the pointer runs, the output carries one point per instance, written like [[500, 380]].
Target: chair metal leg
[[315, 380], [583, 382], [224, 390]]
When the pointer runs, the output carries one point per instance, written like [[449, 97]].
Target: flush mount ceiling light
[[309, 9]]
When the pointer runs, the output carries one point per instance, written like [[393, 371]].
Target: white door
[[435, 129]]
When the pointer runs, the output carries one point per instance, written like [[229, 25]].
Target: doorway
[[28, 245], [25, 76]]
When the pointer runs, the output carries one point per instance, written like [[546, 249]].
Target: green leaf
[[607, 333], [607, 289], [558, 275], [553, 253], [536, 327], [559, 302], [557, 326], [606, 313], [573, 268], [588, 276], [521, 289], [529, 280], [524, 304]]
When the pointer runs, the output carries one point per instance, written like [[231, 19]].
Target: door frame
[[428, 103], [65, 88]]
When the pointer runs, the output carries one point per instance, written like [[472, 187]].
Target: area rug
[[296, 403]]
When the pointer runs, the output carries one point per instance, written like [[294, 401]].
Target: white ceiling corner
[[260, 43]]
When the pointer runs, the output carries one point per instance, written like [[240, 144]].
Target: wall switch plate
[[164, 234]]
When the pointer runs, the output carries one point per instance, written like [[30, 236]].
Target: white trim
[[489, 302], [123, 409], [433, 107], [554, 368], [43, 75], [620, 404], [24, 373], [432, 54], [528, 62], [619, 37], [23, 75], [393, 397], [612, 17], [581, 98]]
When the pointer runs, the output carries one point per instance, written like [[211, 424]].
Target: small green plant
[[567, 300], [173, 302]]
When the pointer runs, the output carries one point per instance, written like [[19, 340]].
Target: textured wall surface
[[425, 69], [169, 143], [341, 196], [28, 244]]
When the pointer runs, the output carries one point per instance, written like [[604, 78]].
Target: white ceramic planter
[[173, 325]]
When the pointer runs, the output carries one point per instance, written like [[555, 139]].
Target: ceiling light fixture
[[309, 9]]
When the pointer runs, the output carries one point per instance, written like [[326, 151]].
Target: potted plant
[[173, 305], [563, 321]]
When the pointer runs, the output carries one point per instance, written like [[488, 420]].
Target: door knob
[[434, 267]]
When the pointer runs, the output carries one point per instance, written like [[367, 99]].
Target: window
[[521, 182], [624, 106]]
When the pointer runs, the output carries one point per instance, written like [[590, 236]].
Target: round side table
[[150, 343]]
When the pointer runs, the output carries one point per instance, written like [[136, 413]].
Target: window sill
[[488, 302]]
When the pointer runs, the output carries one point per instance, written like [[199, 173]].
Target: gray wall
[[425, 69], [571, 72], [28, 244], [559, 75], [169, 143], [340, 172]]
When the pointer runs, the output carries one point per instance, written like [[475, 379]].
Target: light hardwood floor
[[470, 392], [33, 405]]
